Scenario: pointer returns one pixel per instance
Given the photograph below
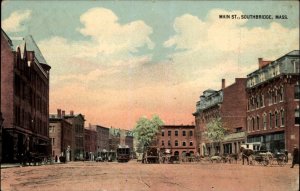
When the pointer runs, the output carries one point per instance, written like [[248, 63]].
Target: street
[[133, 176]]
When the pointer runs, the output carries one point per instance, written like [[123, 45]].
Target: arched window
[[183, 144], [282, 117], [257, 123], [276, 118], [253, 124], [265, 121], [270, 120], [191, 143]]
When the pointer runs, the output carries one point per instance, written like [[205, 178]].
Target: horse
[[246, 153]]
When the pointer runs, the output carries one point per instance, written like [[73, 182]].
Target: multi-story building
[[180, 139], [273, 115], [60, 133], [102, 139], [229, 104], [24, 98], [90, 143], [77, 147]]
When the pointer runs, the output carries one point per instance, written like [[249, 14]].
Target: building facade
[[77, 146], [60, 134], [229, 104], [102, 139], [273, 115], [90, 143], [180, 139], [24, 98]]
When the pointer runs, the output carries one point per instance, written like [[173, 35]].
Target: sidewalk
[[5, 165]]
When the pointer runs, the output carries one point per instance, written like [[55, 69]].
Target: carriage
[[151, 155]]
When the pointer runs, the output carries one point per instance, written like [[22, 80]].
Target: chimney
[[260, 63], [63, 113], [223, 84], [59, 113], [71, 112]]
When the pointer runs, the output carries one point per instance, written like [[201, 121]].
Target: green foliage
[[215, 130], [145, 130]]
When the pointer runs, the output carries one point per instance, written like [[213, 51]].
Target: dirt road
[[133, 176]]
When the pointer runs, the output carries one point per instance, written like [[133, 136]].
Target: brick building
[[90, 143], [60, 133], [24, 98], [229, 104], [77, 146], [102, 138], [273, 103], [180, 139]]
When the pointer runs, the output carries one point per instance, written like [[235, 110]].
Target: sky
[[116, 61]]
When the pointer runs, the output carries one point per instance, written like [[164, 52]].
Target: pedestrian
[[286, 156], [295, 156]]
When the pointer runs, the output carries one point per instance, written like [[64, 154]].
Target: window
[[253, 124], [280, 93], [183, 143], [270, 120], [191, 133], [176, 143], [276, 119], [169, 133], [162, 143], [176, 133], [183, 133], [162, 133], [297, 91], [282, 117], [191, 143], [296, 66], [239, 129], [169, 143], [53, 141], [265, 121], [257, 122], [297, 116]]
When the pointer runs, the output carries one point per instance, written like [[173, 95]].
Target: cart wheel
[[265, 162]]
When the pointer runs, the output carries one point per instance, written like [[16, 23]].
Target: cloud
[[215, 48], [112, 47], [14, 23], [113, 36]]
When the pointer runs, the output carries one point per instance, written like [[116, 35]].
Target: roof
[[177, 126], [30, 45], [294, 53]]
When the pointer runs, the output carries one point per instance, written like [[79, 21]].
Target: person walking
[[295, 156]]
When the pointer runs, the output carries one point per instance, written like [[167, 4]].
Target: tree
[[145, 130], [215, 130]]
